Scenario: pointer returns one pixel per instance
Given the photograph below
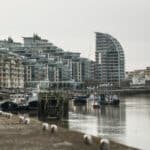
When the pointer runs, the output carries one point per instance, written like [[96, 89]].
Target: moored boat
[[80, 100], [109, 100], [9, 106]]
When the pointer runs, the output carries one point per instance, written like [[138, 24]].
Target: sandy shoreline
[[16, 136]]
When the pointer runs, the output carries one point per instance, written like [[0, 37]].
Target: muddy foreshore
[[16, 136]]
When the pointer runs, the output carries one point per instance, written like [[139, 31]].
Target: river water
[[128, 123]]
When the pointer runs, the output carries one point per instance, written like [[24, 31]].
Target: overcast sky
[[70, 24]]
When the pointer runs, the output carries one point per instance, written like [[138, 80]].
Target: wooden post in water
[[53, 105]]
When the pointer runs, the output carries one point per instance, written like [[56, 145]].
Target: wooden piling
[[53, 105]]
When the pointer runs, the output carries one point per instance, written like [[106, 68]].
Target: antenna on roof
[[10, 40], [36, 37]]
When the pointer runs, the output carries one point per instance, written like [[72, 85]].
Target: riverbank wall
[[132, 91], [71, 93], [17, 136], [121, 91]]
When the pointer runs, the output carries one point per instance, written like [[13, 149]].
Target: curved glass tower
[[109, 59]]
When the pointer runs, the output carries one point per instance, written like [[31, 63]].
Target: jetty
[[53, 105], [17, 136]]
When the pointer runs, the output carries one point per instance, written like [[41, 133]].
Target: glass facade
[[109, 59]]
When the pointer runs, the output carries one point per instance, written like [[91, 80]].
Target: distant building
[[11, 70], [109, 59], [139, 77]]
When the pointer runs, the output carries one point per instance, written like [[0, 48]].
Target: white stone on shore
[[27, 121], [45, 126], [53, 128], [21, 119], [87, 139], [104, 144]]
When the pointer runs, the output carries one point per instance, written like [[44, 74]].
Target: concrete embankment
[[132, 91], [123, 91], [17, 136]]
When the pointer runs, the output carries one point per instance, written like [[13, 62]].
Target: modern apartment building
[[47, 65], [52, 66], [109, 59], [11, 70], [93, 70], [86, 69]]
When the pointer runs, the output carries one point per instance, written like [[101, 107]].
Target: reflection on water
[[109, 120], [128, 123]]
